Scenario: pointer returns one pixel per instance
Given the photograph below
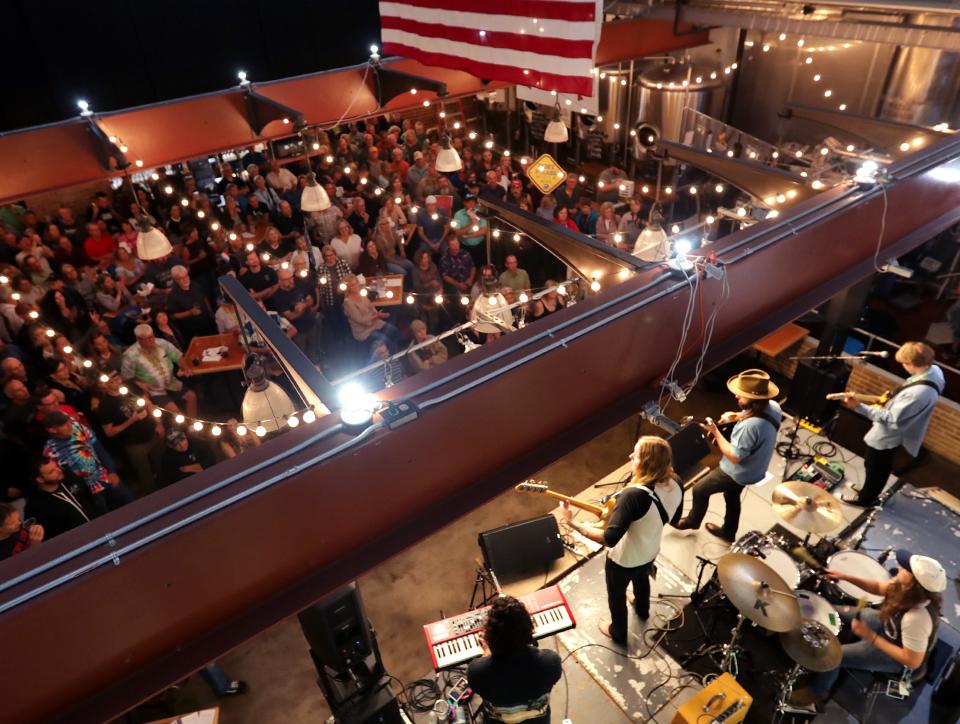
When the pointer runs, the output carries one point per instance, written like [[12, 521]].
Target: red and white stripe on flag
[[547, 44]]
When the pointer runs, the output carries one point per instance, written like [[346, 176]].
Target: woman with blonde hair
[[632, 532]]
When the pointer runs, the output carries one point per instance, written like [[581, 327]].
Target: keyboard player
[[514, 678]]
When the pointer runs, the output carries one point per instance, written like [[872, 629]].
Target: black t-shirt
[[117, 410], [278, 252], [516, 678], [182, 300], [284, 300], [258, 281], [360, 227], [57, 512], [158, 273], [287, 224], [173, 460]]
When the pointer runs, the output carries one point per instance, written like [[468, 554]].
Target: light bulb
[[157, 412], [772, 214], [496, 233], [775, 154], [215, 431], [506, 152], [309, 416], [491, 300], [675, 229], [83, 105], [426, 104], [438, 299], [322, 280], [594, 286], [284, 265], [668, 190], [363, 292], [303, 273], [827, 93], [770, 200], [179, 419], [87, 364], [241, 430], [154, 177], [67, 349], [464, 301], [917, 142], [456, 125], [265, 256], [51, 333], [242, 75], [139, 163], [766, 48], [792, 194], [215, 226], [141, 402], [453, 224], [523, 298], [516, 238], [817, 184], [824, 151], [850, 147], [843, 106], [168, 189], [249, 246], [730, 153], [200, 214], [616, 126], [623, 273], [184, 202], [293, 421], [434, 216], [197, 425], [710, 219], [562, 290], [782, 37], [232, 236], [398, 200], [260, 431], [799, 154], [374, 49], [645, 189], [329, 159], [781, 198], [693, 190], [617, 238], [413, 91], [410, 299], [34, 314], [104, 378], [600, 184], [315, 146]]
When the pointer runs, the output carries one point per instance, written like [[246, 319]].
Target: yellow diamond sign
[[546, 173]]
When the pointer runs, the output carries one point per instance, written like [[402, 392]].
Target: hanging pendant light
[[314, 196], [556, 130], [448, 160], [265, 403], [653, 244], [151, 242]]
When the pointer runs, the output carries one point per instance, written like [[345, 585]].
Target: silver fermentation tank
[[666, 90]]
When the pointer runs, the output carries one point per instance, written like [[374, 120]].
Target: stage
[[648, 683]]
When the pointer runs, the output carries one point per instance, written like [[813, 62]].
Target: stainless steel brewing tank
[[665, 90]]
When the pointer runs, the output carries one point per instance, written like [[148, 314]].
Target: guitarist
[[902, 421], [746, 454], [632, 534]]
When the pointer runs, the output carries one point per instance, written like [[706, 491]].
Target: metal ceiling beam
[[262, 110], [109, 155], [771, 18], [176, 579], [389, 84], [878, 132], [757, 179], [589, 258]]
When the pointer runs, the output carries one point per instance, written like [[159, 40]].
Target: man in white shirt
[[633, 532], [281, 179]]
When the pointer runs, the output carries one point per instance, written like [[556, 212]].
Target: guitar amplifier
[[723, 700], [525, 547]]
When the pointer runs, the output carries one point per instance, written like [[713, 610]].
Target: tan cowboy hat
[[754, 385]]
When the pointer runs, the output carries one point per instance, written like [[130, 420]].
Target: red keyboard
[[454, 640]]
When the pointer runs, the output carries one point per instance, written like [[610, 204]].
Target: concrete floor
[[437, 574]]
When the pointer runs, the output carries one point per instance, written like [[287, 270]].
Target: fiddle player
[[746, 454], [514, 679], [899, 635], [902, 421], [633, 532]]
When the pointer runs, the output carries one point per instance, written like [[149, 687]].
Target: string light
[[260, 431]]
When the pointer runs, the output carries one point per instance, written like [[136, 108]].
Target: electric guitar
[[601, 511], [874, 400]]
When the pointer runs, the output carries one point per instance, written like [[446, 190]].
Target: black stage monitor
[[525, 547], [337, 630], [689, 447]]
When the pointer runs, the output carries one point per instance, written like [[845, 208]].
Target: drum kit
[[762, 580]]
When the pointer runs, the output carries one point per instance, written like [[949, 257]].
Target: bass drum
[[782, 563], [857, 564]]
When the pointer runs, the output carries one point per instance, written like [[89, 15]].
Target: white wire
[[687, 321], [883, 228], [709, 327]]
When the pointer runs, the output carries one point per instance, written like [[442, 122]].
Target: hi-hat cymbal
[[813, 646], [806, 506], [758, 592]]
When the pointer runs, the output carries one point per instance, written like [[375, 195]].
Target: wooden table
[[776, 342], [233, 360], [391, 282]]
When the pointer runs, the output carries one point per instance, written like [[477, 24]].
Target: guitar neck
[[589, 507], [859, 396]]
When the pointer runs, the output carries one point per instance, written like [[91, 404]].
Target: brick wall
[[943, 436]]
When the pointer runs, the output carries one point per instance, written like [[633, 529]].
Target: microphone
[[867, 353]]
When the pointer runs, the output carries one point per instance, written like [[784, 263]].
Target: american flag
[[546, 44]]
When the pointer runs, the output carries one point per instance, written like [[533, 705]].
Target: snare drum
[[782, 563], [819, 609], [857, 564]]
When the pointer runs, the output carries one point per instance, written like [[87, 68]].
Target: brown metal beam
[[759, 180], [888, 136], [160, 590]]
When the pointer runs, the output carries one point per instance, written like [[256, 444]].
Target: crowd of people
[[93, 337]]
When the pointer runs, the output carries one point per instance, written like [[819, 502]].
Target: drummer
[[900, 634]]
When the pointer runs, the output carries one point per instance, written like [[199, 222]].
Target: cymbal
[[813, 646], [806, 506], [758, 592]]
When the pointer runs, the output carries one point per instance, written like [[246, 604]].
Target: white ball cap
[[929, 573]]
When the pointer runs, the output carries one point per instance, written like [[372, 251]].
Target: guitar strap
[[656, 501], [915, 383]]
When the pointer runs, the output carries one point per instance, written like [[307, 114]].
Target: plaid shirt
[[456, 266], [77, 455], [330, 294]]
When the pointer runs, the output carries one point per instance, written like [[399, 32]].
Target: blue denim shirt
[[905, 418], [753, 441]]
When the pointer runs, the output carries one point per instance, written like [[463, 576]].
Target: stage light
[[682, 247], [356, 405]]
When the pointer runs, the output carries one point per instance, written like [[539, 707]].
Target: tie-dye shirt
[[77, 455]]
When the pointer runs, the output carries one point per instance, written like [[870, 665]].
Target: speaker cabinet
[[520, 548]]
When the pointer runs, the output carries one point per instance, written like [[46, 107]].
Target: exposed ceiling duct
[[869, 22]]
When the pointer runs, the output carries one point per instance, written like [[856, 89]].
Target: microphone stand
[[831, 357]]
